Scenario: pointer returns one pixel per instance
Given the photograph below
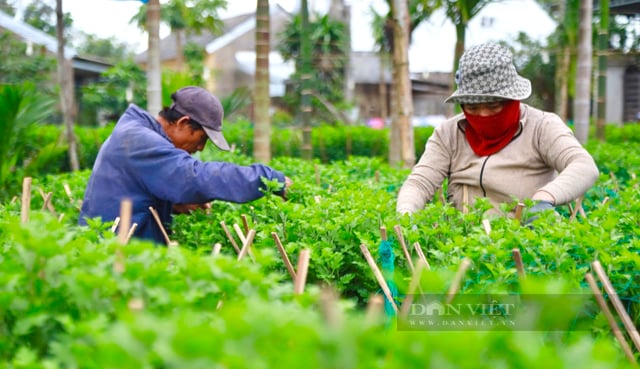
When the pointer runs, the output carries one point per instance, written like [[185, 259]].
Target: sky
[[431, 50]]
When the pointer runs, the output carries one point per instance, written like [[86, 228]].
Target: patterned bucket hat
[[486, 73]]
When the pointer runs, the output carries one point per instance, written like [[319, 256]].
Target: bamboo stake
[[378, 275], [610, 318], [457, 280], [60, 217], [517, 257], [242, 238], [245, 223], [415, 282], [377, 176], [420, 253], [230, 237], [246, 244], [404, 247], [114, 226], [329, 306], [284, 255], [301, 273], [125, 220], [487, 226], [606, 199], [131, 231], [383, 233], [374, 309], [239, 232], [519, 209], [46, 200], [159, 222], [26, 200], [216, 249], [67, 190], [617, 304], [317, 172], [465, 199]]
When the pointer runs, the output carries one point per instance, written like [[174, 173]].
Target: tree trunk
[[305, 80], [179, 49], [562, 81], [401, 149], [382, 87], [65, 79], [603, 37], [583, 75], [261, 97], [154, 71]]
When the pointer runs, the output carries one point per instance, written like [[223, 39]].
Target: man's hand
[[190, 208], [540, 206], [287, 183]]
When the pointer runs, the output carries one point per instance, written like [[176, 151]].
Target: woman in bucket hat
[[498, 148]]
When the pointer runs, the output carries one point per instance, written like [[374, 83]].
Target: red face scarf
[[489, 134]]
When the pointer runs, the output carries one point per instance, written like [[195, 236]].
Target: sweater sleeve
[[427, 175], [559, 148], [173, 175]]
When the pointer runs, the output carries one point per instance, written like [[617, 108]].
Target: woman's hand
[[190, 208]]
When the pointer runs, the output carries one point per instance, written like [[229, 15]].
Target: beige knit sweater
[[544, 155]]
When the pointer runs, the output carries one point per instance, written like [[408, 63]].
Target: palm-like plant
[[21, 107]]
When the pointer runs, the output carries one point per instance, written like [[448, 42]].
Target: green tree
[[7, 7], [108, 49], [18, 66], [42, 15], [184, 17], [120, 85], [328, 39]]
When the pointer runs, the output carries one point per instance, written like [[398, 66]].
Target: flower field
[[77, 297]]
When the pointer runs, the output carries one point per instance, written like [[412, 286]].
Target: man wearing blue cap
[[148, 160]]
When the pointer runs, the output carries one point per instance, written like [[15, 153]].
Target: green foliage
[[329, 43], [16, 67], [108, 49], [109, 95], [21, 107], [41, 15], [74, 297]]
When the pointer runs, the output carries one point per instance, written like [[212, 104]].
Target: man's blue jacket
[[139, 162]]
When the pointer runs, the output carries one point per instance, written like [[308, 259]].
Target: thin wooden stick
[[465, 199], [67, 190], [418, 248], [301, 271], [131, 231], [487, 226], [329, 306], [247, 244], [245, 223], [383, 233], [216, 249], [126, 207], [26, 200], [242, 238], [457, 280], [284, 255], [517, 257], [230, 237], [114, 226], [606, 199], [404, 247], [377, 176], [374, 309], [617, 304], [46, 200], [519, 209], [60, 217], [610, 318], [159, 222], [575, 209], [415, 282], [378, 275], [239, 232], [315, 168]]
